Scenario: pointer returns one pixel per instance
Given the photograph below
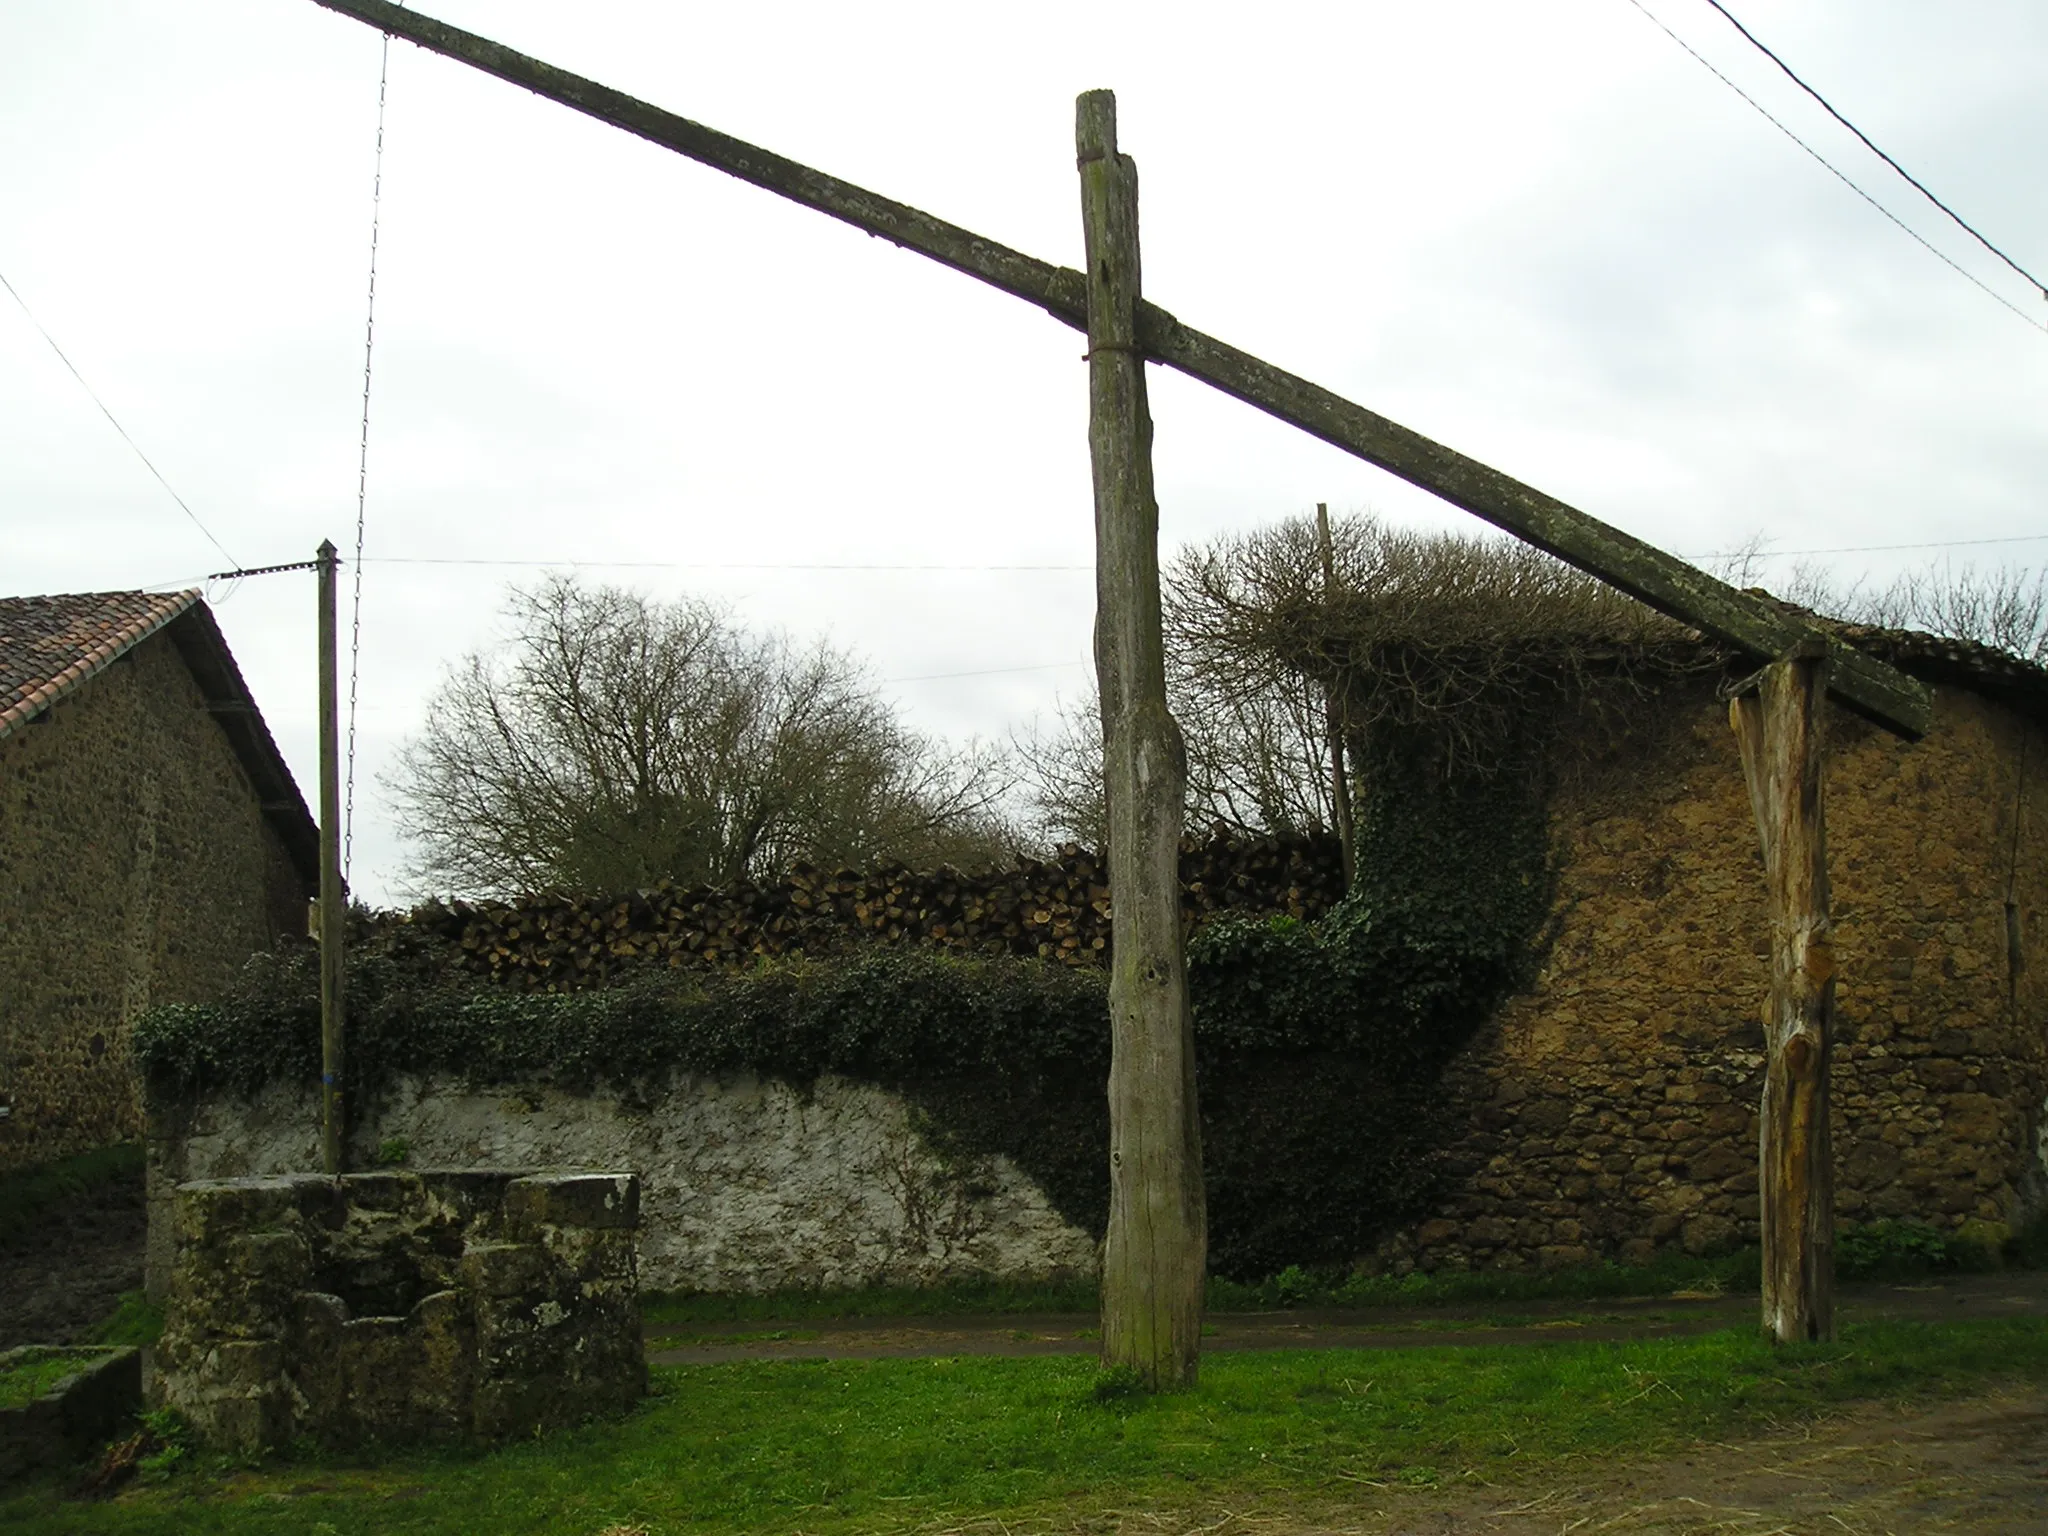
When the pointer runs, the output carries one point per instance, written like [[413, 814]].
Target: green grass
[[839, 1446], [135, 1320], [27, 1193], [25, 1381]]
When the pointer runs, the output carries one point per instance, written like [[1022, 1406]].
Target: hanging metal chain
[[355, 637]]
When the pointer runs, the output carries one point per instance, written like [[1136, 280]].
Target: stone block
[[210, 1210], [1709, 1234], [1976, 1119], [82, 1411], [591, 1200], [403, 1316]]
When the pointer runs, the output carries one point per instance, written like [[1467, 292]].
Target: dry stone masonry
[[1612, 1110], [466, 1305], [136, 867]]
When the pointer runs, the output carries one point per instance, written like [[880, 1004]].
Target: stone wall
[[746, 1184], [1609, 1112], [136, 867], [460, 1305], [1612, 1109]]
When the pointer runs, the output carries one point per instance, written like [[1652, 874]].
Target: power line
[[1871, 549], [355, 620], [708, 565], [933, 677], [1918, 185], [264, 570], [96, 400], [1828, 165]]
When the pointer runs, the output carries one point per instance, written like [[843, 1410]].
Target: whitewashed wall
[[747, 1184]]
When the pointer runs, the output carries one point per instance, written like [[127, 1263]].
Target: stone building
[[1611, 1109], [151, 839]]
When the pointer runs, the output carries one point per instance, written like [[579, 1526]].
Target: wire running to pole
[[113, 422], [1829, 167], [707, 565], [1918, 185], [355, 637]]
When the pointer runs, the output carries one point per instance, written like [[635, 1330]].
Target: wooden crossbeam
[[1670, 585]]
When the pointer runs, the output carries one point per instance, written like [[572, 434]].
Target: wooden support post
[[1333, 718], [333, 899], [1153, 1259], [1778, 719]]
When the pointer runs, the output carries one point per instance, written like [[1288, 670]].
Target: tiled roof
[[50, 645]]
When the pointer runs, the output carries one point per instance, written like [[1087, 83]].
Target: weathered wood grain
[[1154, 1253], [1778, 725]]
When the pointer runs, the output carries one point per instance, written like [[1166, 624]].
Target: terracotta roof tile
[[50, 645]]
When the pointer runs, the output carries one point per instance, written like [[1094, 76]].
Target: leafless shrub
[[1470, 638], [2004, 607]]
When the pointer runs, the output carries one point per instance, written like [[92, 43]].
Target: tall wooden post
[[1153, 1260], [1333, 719], [333, 899], [1778, 719]]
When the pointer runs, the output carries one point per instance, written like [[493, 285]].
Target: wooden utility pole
[[1333, 719], [333, 899], [1153, 1259], [1778, 718]]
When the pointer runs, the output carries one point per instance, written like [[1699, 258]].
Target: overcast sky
[[1534, 229]]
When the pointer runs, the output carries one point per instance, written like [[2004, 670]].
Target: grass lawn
[[27, 1380], [839, 1446]]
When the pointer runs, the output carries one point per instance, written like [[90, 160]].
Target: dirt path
[[1976, 1467], [2016, 1294]]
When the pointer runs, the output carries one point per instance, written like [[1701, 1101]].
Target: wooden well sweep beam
[[1878, 692]]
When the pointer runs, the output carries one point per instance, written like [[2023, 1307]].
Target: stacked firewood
[[1056, 909]]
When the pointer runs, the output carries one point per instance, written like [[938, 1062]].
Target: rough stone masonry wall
[[1613, 1108], [135, 868], [746, 1184], [1610, 1111], [467, 1304]]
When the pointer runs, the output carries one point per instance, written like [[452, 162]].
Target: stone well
[[460, 1305]]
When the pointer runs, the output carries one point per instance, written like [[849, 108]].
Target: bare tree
[[616, 741], [2004, 607], [1456, 632]]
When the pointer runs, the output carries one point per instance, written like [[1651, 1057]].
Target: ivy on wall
[[1320, 1044]]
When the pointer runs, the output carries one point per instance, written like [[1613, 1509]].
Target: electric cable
[[355, 638], [96, 400], [1829, 166], [705, 565], [1918, 185]]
